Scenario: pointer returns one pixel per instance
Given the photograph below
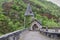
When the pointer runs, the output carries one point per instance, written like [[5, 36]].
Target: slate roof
[[36, 21], [29, 11]]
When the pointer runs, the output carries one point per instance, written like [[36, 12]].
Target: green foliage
[[14, 18], [52, 8], [50, 23], [4, 24]]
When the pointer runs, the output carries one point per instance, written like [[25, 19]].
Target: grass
[[54, 9]]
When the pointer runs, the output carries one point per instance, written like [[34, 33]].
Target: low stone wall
[[12, 36], [51, 30]]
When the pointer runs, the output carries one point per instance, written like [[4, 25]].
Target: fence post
[[46, 28], [56, 30]]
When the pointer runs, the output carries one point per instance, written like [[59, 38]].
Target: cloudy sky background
[[55, 1]]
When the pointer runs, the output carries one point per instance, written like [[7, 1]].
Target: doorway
[[35, 27]]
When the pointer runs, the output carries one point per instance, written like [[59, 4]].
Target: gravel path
[[35, 35]]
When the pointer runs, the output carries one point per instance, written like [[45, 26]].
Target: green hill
[[12, 14]]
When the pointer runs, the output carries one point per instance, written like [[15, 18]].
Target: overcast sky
[[55, 1]]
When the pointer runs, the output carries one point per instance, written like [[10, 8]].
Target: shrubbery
[[14, 18]]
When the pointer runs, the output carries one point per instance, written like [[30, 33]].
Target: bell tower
[[28, 16]]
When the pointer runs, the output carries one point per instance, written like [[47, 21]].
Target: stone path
[[35, 35]]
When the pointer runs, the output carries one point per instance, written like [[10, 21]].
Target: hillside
[[12, 14], [55, 2]]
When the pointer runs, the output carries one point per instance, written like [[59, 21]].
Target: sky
[[55, 1]]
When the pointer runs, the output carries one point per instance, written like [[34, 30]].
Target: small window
[[30, 11]]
